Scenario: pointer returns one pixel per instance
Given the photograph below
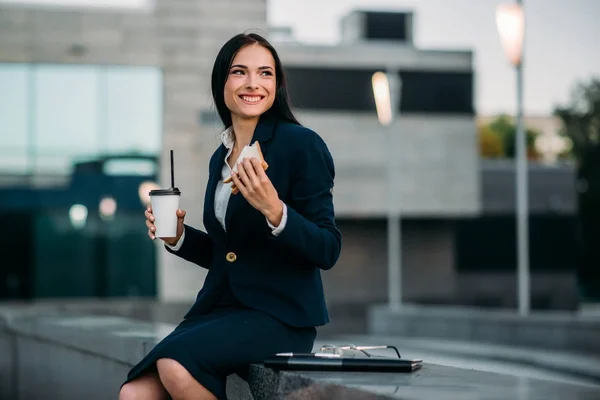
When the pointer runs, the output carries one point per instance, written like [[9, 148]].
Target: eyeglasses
[[348, 350]]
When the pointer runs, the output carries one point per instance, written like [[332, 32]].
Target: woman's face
[[250, 87]]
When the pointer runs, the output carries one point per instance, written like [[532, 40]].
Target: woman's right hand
[[151, 228]]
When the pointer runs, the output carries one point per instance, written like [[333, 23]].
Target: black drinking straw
[[172, 173]]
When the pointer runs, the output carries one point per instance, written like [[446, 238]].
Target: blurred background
[[94, 93]]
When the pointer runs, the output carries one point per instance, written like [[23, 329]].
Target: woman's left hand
[[257, 189]]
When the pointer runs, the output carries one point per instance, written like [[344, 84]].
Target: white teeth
[[253, 99]]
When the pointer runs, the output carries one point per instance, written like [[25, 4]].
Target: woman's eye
[[237, 72], [267, 73]]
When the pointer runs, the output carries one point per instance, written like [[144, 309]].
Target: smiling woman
[[250, 87], [269, 233]]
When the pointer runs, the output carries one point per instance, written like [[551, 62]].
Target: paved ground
[[527, 363], [590, 309]]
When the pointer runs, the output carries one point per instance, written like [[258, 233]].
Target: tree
[[581, 123], [490, 143], [506, 130]]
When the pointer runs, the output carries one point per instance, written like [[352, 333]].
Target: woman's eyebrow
[[245, 67]]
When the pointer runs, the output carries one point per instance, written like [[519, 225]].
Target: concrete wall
[[49, 355], [375, 55], [360, 278], [552, 188], [435, 158], [436, 155], [7, 361]]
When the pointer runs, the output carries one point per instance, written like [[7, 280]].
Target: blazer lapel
[[213, 180], [262, 134]]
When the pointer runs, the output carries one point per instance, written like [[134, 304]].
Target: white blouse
[[223, 193]]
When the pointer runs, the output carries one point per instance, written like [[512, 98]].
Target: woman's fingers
[[248, 174], [242, 176], [150, 222], [259, 170]]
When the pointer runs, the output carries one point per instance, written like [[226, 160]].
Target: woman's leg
[[146, 387], [180, 384]]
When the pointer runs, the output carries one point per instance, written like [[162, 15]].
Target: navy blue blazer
[[279, 275]]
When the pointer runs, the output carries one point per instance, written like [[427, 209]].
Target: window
[[437, 92], [14, 125], [386, 25], [52, 116], [66, 116], [132, 92], [350, 90], [331, 89]]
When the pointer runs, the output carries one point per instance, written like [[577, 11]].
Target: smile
[[251, 99]]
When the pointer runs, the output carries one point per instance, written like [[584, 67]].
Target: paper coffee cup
[[165, 203]]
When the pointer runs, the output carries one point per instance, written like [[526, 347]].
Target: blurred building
[[435, 150], [94, 81], [458, 211]]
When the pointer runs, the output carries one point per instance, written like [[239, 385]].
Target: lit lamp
[[107, 208], [144, 191], [78, 214], [385, 90], [510, 20], [383, 98]]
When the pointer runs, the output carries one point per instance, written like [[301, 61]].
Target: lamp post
[[510, 19], [386, 88]]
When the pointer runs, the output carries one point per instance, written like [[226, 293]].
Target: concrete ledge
[[543, 330], [56, 355]]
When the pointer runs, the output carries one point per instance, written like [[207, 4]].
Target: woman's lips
[[251, 99]]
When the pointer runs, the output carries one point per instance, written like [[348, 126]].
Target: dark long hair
[[280, 109]]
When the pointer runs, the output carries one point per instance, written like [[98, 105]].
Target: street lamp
[[386, 88], [510, 19]]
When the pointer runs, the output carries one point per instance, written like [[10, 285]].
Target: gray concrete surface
[[57, 355], [523, 362], [65, 355], [563, 331], [440, 382]]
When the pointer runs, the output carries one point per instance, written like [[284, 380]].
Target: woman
[[263, 247]]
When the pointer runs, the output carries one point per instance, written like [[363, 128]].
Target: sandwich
[[252, 151]]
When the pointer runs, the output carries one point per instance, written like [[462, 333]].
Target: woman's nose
[[251, 82]]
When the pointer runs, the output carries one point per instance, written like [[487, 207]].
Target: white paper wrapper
[[248, 151]]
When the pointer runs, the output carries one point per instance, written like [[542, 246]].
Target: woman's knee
[[173, 375], [179, 382], [144, 388], [130, 391]]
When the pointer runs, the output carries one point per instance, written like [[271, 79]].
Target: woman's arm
[[196, 247], [310, 229]]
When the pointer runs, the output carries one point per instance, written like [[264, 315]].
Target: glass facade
[[76, 144], [54, 115]]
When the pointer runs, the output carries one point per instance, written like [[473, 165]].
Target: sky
[[561, 42]]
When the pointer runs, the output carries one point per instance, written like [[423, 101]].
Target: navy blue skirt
[[225, 341]]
